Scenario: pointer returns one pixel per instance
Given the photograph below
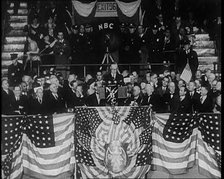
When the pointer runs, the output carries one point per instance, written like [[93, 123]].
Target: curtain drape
[[83, 9]]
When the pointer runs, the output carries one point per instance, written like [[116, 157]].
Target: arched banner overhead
[[128, 9], [85, 12], [83, 9]]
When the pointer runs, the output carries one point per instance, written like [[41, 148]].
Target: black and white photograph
[[109, 89]]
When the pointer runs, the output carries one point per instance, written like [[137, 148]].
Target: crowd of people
[[166, 92], [52, 39]]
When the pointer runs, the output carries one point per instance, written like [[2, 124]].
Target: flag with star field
[[181, 139], [99, 129], [38, 146]]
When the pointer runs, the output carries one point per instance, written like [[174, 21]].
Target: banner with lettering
[[106, 9]]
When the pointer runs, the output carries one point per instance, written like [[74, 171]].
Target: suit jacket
[[172, 104], [37, 108], [109, 80], [194, 100], [160, 91], [191, 57], [154, 100], [20, 105], [91, 100], [184, 106], [15, 74], [7, 102], [130, 100], [206, 106], [54, 105]]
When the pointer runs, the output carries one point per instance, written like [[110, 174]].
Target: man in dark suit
[[171, 98], [136, 98], [112, 81], [185, 103], [70, 96], [37, 104], [93, 98], [206, 103], [161, 90], [194, 96], [187, 55], [15, 71], [113, 77], [54, 101], [151, 98], [20, 102], [7, 98]]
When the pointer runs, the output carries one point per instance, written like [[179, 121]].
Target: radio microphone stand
[[107, 58]]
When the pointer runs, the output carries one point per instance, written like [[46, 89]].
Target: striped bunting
[[52, 162], [177, 158], [171, 157], [112, 127]]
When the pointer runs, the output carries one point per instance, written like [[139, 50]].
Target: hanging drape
[[128, 9], [83, 9]]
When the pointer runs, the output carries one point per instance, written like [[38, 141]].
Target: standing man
[[155, 48], [7, 97], [62, 52], [187, 55], [15, 71]]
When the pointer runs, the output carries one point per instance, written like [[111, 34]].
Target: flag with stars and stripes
[[209, 157], [100, 130], [11, 140], [44, 148], [179, 127], [179, 145]]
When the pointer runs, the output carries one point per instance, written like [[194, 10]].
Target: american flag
[[209, 156], [178, 146], [46, 149], [125, 124], [186, 75], [179, 127], [12, 132]]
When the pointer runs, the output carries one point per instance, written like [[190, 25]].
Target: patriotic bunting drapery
[[83, 9], [107, 142], [113, 142], [184, 140], [128, 9]]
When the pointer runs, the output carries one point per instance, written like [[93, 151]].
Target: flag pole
[[73, 14]]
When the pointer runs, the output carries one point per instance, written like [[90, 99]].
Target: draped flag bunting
[[178, 143], [113, 142], [110, 142], [44, 146], [128, 9], [83, 9]]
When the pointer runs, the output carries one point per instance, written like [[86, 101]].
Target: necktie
[[56, 96], [201, 99], [149, 99]]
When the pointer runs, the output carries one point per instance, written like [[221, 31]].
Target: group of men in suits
[[165, 94]]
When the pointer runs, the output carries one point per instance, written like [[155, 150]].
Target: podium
[[112, 93]]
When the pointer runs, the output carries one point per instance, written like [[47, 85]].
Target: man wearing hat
[[155, 48], [131, 47], [15, 71], [187, 55]]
